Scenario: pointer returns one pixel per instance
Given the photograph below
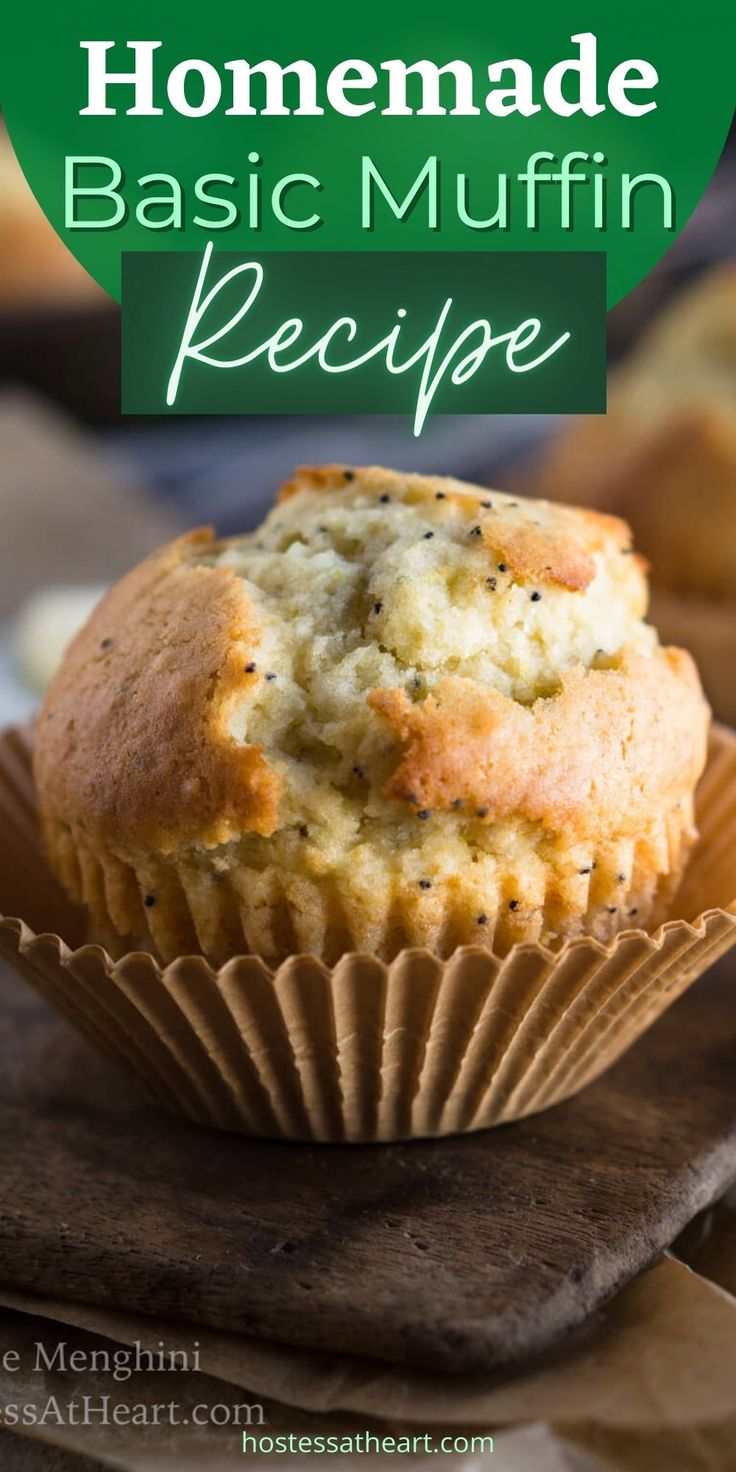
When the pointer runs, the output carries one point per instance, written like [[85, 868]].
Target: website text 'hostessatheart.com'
[[365, 1443]]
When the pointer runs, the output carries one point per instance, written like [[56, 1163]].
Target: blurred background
[[84, 493]]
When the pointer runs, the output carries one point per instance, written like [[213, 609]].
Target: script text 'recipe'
[[451, 354]]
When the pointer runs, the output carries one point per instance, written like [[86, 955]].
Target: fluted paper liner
[[366, 1051]]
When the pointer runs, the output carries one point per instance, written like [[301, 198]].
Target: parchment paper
[[650, 1388]]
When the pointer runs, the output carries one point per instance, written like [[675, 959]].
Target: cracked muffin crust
[[404, 712]]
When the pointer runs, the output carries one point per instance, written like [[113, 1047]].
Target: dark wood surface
[[19, 1455], [472, 1252]]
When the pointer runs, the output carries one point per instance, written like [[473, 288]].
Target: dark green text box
[[455, 318]]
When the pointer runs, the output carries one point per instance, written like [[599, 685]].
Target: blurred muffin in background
[[664, 457], [685, 361], [36, 268], [678, 490]]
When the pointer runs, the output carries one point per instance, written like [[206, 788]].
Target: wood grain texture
[[474, 1252]]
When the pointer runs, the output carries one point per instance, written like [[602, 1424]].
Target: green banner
[[427, 128], [347, 332]]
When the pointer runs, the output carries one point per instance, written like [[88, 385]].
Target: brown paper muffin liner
[[366, 1051]]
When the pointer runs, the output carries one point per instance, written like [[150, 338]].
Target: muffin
[[684, 366], [677, 487], [405, 712], [664, 457]]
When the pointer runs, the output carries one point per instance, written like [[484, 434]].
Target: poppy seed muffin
[[404, 712]]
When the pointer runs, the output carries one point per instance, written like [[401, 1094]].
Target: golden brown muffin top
[[386, 649], [133, 736]]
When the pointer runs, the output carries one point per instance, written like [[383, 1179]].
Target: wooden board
[[457, 1254]]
